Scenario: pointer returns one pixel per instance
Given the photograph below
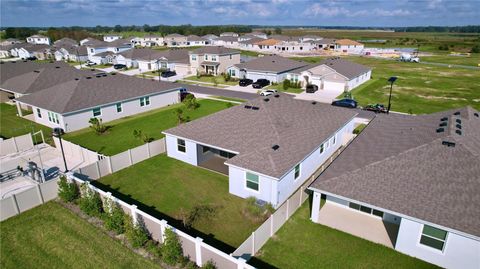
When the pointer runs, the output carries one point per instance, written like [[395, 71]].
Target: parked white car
[[267, 92]]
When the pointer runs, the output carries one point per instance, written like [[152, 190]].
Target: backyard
[[300, 243], [11, 125], [119, 136], [168, 188], [420, 88], [51, 236]]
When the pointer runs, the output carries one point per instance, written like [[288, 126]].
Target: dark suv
[[345, 103], [311, 88], [245, 82], [119, 66], [260, 83], [167, 74]]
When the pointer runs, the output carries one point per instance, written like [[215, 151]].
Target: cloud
[[335, 11]]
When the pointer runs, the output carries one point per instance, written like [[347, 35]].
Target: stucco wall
[[459, 251], [267, 189], [355, 82], [189, 156]]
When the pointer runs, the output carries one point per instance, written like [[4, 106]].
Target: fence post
[[98, 170], [110, 168], [133, 210], [271, 225], [15, 143], [198, 251], [241, 262], [163, 226], [39, 192], [288, 207], [15, 204], [301, 192], [148, 150], [130, 157], [253, 243]]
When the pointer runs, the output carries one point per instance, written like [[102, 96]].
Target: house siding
[[189, 156], [237, 185]]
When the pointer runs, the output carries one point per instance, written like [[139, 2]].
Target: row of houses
[[62, 96], [408, 182]]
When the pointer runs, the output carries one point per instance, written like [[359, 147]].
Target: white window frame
[[322, 148], [119, 105], [299, 171], [429, 247], [99, 111], [194, 57], [184, 145], [145, 101], [39, 113], [205, 57], [248, 180]]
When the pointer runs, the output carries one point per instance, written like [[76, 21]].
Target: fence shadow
[[257, 263], [152, 210]]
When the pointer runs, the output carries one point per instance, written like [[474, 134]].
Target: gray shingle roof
[[297, 126], [174, 56], [142, 53], [84, 93], [195, 38], [399, 163], [11, 69], [271, 63], [343, 67], [219, 50]]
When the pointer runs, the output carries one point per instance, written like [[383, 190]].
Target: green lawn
[[51, 236], [420, 88], [472, 60], [249, 53], [120, 136], [300, 243], [209, 79], [11, 125], [279, 87], [171, 187], [230, 99]]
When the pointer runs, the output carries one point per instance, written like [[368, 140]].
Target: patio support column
[[315, 206]]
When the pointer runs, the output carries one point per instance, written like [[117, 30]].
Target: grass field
[[300, 243], [170, 186], [420, 88], [51, 236], [230, 99], [472, 60], [120, 136], [279, 87], [11, 125], [209, 79]]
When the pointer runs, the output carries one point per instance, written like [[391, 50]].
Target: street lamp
[[58, 132], [391, 80]]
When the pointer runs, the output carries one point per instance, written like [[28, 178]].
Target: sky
[[247, 12]]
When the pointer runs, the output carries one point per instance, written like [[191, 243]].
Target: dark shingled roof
[[173, 56], [271, 63], [12, 69], [343, 67], [400, 164], [195, 38], [297, 126], [220, 50], [142, 53], [84, 93]]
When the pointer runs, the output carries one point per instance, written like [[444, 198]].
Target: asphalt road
[[219, 92]]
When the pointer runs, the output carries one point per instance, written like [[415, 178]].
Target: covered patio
[[213, 159], [359, 224], [210, 67]]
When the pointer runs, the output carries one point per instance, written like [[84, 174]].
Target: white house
[[98, 50], [194, 40], [71, 104], [38, 40], [110, 38], [213, 60], [226, 41], [268, 147], [410, 183], [175, 60], [348, 46], [229, 34], [175, 40], [148, 41]]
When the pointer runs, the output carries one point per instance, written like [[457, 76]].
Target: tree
[[97, 125], [138, 134], [190, 102], [172, 251], [181, 118], [278, 31], [68, 192], [286, 84]]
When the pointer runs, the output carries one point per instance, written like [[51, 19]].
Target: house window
[[91, 50], [297, 171], [252, 181], [39, 113], [206, 57], [322, 148], [194, 57], [232, 72], [227, 155], [334, 139], [366, 209], [181, 145], [119, 107], [214, 58], [145, 101], [163, 65], [205, 149], [97, 112], [433, 237], [53, 117]]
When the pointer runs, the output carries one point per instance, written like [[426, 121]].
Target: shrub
[[68, 192], [228, 105], [138, 134], [97, 125], [114, 218], [190, 102], [214, 81], [153, 248], [209, 265], [172, 251], [90, 203], [227, 77], [475, 49], [255, 211], [286, 84], [197, 213], [347, 94], [135, 233], [181, 118]]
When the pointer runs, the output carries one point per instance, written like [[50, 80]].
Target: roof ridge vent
[[448, 144], [440, 130], [314, 102], [57, 67], [36, 71], [77, 79], [266, 99], [247, 107], [276, 95], [89, 77], [255, 108], [275, 147], [456, 113], [458, 132]]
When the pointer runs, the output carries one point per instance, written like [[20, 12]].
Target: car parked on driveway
[[90, 63], [260, 83], [377, 108], [350, 103], [267, 92], [167, 74], [119, 66], [311, 88], [245, 82]]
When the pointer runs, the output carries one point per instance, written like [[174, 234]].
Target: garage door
[[182, 69], [334, 86], [255, 76]]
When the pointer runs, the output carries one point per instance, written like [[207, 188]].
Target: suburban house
[[274, 68], [10, 41], [348, 46], [258, 34], [175, 40], [88, 40], [38, 40], [26, 50], [250, 43], [226, 41], [332, 74], [72, 53], [194, 40], [410, 183], [71, 104], [5, 51], [268, 147], [307, 38], [230, 34], [266, 44], [213, 60], [325, 44], [210, 38], [294, 46], [110, 38], [65, 42], [99, 50], [175, 60], [148, 41]]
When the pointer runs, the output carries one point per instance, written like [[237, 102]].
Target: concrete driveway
[[108, 69], [219, 92], [131, 72], [322, 96]]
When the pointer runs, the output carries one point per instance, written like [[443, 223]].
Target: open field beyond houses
[[300, 243], [420, 88], [165, 185], [120, 136], [50, 236]]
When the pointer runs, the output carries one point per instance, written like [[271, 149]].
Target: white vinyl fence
[[111, 164], [193, 247], [75, 151], [30, 198], [16, 144]]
